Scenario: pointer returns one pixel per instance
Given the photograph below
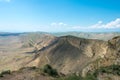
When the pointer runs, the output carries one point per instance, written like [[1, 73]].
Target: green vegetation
[[113, 69], [30, 68], [5, 72], [50, 71], [1, 75], [74, 77], [71, 77], [90, 77]]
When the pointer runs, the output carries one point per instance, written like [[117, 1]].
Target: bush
[[50, 71], [5, 72], [1, 75]]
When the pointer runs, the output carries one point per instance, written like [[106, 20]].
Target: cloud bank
[[112, 24], [99, 25]]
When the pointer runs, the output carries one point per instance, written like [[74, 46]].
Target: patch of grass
[[113, 69], [74, 77], [90, 77], [70, 77]]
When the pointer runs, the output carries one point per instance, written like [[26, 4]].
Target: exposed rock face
[[111, 57]]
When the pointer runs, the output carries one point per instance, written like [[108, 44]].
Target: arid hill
[[69, 55], [18, 49]]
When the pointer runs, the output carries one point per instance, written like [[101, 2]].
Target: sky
[[60, 15]]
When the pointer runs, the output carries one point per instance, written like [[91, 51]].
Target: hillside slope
[[18, 49], [71, 54]]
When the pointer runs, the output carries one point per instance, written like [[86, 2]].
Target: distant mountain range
[[89, 35]]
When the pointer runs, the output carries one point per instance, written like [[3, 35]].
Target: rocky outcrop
[[112, 57]]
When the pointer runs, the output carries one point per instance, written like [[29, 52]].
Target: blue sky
[[60, 15]]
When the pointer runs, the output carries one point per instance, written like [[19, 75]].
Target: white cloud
[[112, 24], [60, 24]]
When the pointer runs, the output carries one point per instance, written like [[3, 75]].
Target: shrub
[[50, 71], [5, 72], [1, 75]]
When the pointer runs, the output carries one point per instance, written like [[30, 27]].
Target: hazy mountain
[[90, 35]]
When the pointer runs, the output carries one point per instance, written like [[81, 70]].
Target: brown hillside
[[71, 54]]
